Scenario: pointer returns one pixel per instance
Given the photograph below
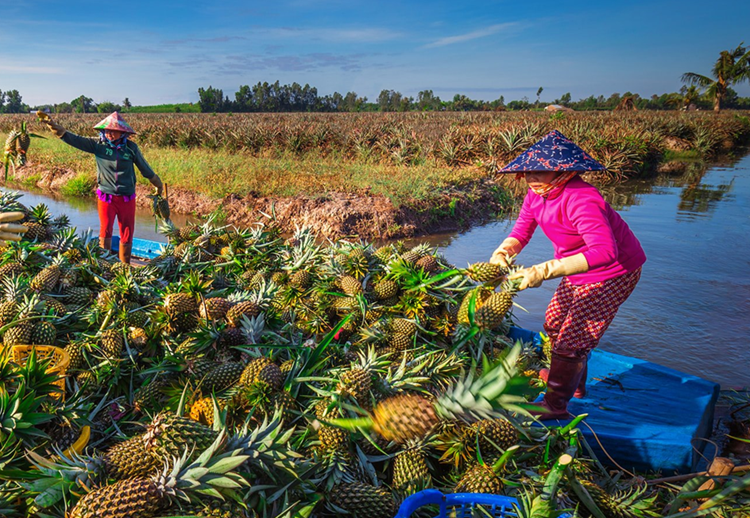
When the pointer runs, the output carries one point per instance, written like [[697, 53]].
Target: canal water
[[691, 309]]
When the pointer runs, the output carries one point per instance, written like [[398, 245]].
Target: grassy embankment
[[220, 173], [414, 160]]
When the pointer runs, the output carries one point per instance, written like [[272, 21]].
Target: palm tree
[[731, 67], [688, 96]]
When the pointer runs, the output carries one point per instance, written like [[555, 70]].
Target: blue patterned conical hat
[[555, 152]]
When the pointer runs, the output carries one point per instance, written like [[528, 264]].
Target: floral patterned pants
[[578, 316]]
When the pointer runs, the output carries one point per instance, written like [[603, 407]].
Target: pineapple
[[491, 434], [479, 295], [221, 377], [78, 296], [350, 285], [385, 289], [203, 410], [10, 270], [137, 337], [332, 438], [399, 341], [177, 303], [262, 369], [145, 496], [46, 280], [409, 416], [43, 333], [480, 478], [404, 417], [356, 382], [20, 334], [75, 351], [485, 272], [131, 458], [38, 224], [214, 309], [8, 311], [246, 308], [363, 501], [492, 312], [112, 343], [428, 263], [403, 326], [410, 472], [150, 395], [301, 279], [170, 435]]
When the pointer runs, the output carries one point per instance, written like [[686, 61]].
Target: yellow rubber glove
[[533, 276], [52, 125], [9, 231], [507, 249]]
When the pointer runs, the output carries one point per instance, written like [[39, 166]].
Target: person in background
[[596, 254], [115, 175]]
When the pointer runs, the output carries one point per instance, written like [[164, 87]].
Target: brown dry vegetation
[[375, 175]]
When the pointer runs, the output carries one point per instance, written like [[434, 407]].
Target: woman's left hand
[[530, 277], [533, 276]]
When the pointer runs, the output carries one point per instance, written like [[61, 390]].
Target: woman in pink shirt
[[596, 253]]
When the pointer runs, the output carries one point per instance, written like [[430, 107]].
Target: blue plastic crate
[[461, 505]]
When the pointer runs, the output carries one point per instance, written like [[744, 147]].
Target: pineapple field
[[246, 372], [377, 176]]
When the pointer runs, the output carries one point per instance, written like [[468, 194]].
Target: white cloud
[[26, 69], [368, 35], [473, 35]]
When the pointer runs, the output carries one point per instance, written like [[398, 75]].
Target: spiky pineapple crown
[[64, 239], [480, 397], [211, 473], [13, 287], [40, 214]]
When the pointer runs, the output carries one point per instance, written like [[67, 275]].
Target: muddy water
[[691, 309]]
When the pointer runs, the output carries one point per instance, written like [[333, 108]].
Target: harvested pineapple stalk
[[411, 416]]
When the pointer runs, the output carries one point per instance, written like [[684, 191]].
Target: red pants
[[125, 213], [578, 316]]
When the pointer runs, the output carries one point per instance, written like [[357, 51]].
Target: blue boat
[[641, 416]]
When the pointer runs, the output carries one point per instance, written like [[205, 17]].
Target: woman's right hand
[[54, 127], [500, 257], [505, 253]]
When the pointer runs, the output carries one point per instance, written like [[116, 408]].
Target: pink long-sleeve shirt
[[578, 220]]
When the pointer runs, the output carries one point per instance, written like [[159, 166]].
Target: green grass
[[220, 173], [82, 185], [166, 108]]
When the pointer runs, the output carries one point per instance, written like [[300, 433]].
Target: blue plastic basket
[[461, 505]]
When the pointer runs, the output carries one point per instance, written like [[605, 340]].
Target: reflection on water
[[83, 214], [690, 309]]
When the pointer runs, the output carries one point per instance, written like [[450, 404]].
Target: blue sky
[[157, 52]]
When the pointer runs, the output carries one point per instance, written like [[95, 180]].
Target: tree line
[[699, 92]]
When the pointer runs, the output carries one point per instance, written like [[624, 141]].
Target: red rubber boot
[[564, 376], [581, 390]]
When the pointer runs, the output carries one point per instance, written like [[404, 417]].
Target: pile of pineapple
[[247, 373]]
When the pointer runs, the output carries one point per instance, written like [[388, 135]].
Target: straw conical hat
[[555, 152], [114, 121]]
